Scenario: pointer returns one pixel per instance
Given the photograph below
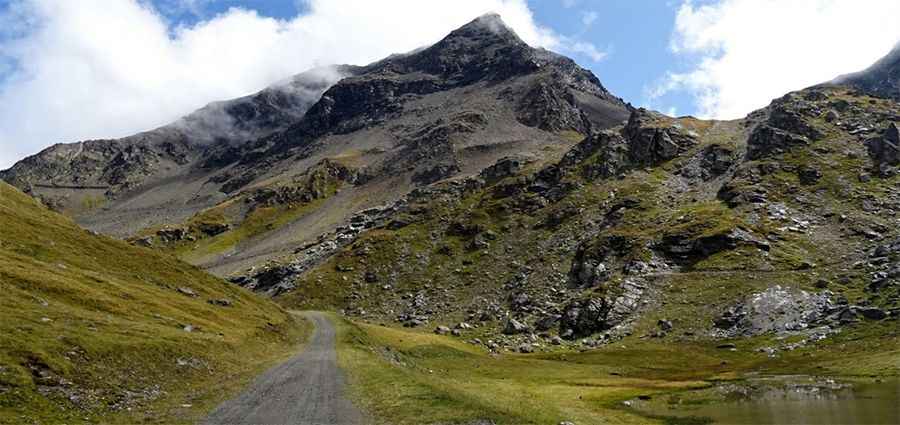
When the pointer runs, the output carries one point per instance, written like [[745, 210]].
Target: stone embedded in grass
[[221, 302], [665, 325], [187, 291]]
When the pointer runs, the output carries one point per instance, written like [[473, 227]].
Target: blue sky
[[72, 70], [635, 33]]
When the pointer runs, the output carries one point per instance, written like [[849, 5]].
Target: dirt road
[[307, 389]]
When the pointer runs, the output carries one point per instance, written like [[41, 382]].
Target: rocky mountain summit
[[500, 193], [445, 111]]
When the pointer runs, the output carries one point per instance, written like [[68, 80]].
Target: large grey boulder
[[515, 327], [776, 310], [886, 148]]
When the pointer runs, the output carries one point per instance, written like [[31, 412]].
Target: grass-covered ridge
[[96, 329]]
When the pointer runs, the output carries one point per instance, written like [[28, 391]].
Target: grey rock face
[[585, 317], [786, 126], [515, 327], [609, 149], [713, 161], [654, 138], [776, 310], [886, 148], [687, 249]]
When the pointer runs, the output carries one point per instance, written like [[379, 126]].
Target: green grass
[[414, 377], [92, 329]]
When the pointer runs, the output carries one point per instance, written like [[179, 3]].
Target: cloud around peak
[[73, 70]]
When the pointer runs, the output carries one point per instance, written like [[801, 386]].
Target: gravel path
[[307, 389]]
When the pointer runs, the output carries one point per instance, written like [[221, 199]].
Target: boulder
[[442, 330], [505, 167], [463, 326], [370, 277], [777, 310], [664, 325], [581, 318], [547, 322], [169, 235], [885, 150], [213, 229], [183, 290], [514, 327], [872, 313], [809, 175]]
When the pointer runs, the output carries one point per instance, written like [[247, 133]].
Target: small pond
[[781, 400]]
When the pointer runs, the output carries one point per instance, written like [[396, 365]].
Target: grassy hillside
[[95, 329]]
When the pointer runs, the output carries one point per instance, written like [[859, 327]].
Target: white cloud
[[588, 50], [588, 17], [747, 52], [110, 68]]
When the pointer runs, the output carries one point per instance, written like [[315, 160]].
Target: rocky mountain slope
[[407, 121], [501, 189], [93, 329], [882, 79], [779, 227], [65, 175]]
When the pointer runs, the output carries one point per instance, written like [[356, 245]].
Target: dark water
[[784, 400]]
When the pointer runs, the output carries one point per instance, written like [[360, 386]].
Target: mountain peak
[[490, 22], [882, 79], [488, 28], [484, 47]]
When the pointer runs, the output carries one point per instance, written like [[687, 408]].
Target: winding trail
[[307, 389]]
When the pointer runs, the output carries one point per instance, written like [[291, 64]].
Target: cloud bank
[[73, 70], [744, 53]]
